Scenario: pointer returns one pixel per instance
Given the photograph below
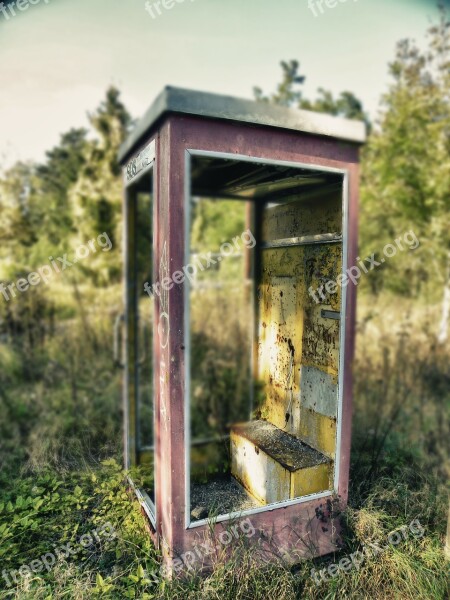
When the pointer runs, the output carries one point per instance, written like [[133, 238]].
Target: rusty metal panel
[[279, 351], [323, 263], [321, 357], [282, 296], [284, 262], [300, 218], [292, 329], [320, 341]]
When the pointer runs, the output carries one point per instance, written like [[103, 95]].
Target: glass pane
[[221, 342], [140, 333], [144, 246]]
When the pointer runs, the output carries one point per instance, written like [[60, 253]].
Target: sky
[[58, 57]]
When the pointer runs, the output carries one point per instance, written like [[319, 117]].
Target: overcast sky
[[58, 58]]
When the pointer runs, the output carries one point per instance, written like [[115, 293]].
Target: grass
[[60, 407], [120, 568]]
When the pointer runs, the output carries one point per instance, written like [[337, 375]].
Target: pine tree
[[97, 194]]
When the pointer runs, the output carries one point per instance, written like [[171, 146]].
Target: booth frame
[[180, 130]]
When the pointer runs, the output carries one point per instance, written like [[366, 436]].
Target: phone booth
[[240, 225]]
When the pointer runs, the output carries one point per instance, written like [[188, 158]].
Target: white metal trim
[[260, 509], [253, 324], [187, 339], [145, 501], [342, 357], [187, 433], [154, 339], [304, 240]]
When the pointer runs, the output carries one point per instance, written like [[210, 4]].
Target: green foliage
[[43, 514], [59, 398], [216, 222], [290, 94], [19, 215], [56, 176], [96, 196], [346, 105], [406, 165], [286, 94]]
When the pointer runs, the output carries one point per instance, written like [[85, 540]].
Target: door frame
[[139, 165]]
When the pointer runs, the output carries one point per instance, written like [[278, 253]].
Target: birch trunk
[[447, 541], [443, 327]]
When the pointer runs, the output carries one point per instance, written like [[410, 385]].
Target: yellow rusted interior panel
[[291, 331], [310, 481], [293, 341], [320, 340], [318, 431], [279, 349], [323, 263]]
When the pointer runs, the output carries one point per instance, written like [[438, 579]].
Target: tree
[[406, 165], [289, 94], [286, 94], [17, 230], [347, 105], [56, 176], [97, 194]]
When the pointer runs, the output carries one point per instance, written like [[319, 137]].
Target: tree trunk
[[447, 541], [443, 327]]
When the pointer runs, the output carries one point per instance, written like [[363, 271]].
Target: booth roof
[[216, 106]]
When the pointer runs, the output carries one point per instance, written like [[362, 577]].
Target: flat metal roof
[[216, 106]]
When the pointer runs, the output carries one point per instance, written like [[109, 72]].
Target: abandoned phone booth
[[240, 223]]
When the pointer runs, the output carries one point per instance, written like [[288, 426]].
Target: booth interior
[[264, 334]]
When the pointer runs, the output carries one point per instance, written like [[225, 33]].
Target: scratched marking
[[163, 331]]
